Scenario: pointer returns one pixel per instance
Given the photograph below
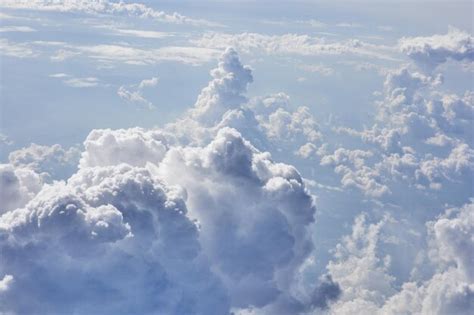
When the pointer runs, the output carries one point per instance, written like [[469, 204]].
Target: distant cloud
[[22, 29], [76, 82], [348, 25], [51, 162], [292, 44], [134, 93], [82, 82], [16, 50], [143, 33], [104, 7], [431, 51], [318, 68], [5, 140]]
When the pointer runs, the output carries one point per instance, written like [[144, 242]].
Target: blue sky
[[304, 157]]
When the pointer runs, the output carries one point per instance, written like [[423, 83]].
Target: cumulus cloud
[[162, 223], [421, 137], [17, 186], [53, 162], [367, 285], [115, 231], [135, 146], [256, 242], [432, 51], [226, 90]]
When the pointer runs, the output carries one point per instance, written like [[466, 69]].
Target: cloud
[[135, 146], [52, 162], [75, 82], [143, 33], [110, 211], [23, 29], [136, 95], [363, 270], [148, 210], [225, 91], [112, 231], [429, 52], [5, 140], [413, 117], [258, 242], [17, 50], [105, 7], [105, 53], [17, 186], [82, 82], [292, 44], [321, 69]]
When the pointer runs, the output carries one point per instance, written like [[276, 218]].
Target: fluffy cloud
[[421, 136], [135, 146], [17, 186], [226, 90], [164, 223], [432, 51], [115, 231], [258, 241], [254, 244], [366, 283], [53, 162]]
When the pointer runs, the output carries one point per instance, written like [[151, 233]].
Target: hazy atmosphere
[[236, 157]]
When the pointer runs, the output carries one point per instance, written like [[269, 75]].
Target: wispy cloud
[[294, 44], [76, 82], [134, 92], [23, 29], [105, 7], [18, 50], [317, 68]]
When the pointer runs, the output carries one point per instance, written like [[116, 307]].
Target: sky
[[236, 157]]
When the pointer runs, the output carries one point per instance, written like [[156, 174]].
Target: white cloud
[[17, 50], [52, 162], [360, 272], [6, 283], [114, 231], [147, 210], [292, 44], [134, 146], [17, 186], [315, 68], [364, 276], [431, 51], [137, 56], [226, 90], [59, 75], [5, 140], [76, 82], [143, 33], [23, 29], [134, 93], [348, 25], [267, 239], [82, 82], [104, 7]]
